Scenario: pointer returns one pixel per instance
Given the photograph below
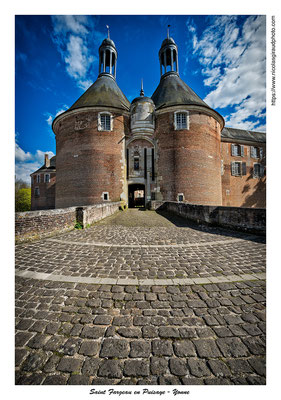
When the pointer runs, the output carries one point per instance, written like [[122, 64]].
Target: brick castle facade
[[170, 146]]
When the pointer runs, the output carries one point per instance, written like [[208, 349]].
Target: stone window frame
[[45, 178], [237, 150], [105, 194], [178, 197], [36, 191], [100, 128], [260, 173], [238, 168], [176, 127]]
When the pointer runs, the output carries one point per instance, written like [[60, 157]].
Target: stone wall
[[90, 214], [252, 220], [32, 225]]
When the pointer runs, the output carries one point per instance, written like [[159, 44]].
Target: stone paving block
[[178, 366], [198, 368], [33, 379], [110, 369], [129, 332], [184, 348], [55, 343], [158, 366], [33, 362], [90, 332], [136, 368], [232, 347], [239, 366], [115, 348], [78, 380], [149, 332], [69, 364], [37, 341], [255, 345], [90, 366], [168, 332], [162, 347], [20, 355], [71, 346], [22, 338], [139, 349], [55, 380], [207, 348], [219, 368], [259, 365]]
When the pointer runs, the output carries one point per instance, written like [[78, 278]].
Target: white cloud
[[77, 40], [234, 63], [51, 117], [21, 155], [26, 163]]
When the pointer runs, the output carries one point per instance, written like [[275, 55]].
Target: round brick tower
[[188, 138], [90, 150]]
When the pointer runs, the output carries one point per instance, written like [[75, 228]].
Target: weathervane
[[168, 31], [107, 31]]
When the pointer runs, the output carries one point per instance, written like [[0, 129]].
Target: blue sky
[[222, 58]]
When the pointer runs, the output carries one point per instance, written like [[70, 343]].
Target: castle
[[171, 146]]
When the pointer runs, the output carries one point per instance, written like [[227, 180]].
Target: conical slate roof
[[173, 91], [103, 92]]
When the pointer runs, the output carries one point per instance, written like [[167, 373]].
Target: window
[[47, 178], [258, 171], [181, 120], [105, 122], [237, 150], [136, 163], [105, 196], [238, 168], [256, 152], [38, 178], [36, 191], [180, 197]]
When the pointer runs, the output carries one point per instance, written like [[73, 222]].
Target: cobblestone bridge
[[141, 298]]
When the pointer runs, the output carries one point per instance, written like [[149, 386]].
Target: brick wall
[[46, 198], [38, 224], [189, 160], [243, 190], [252, 220], [88, 161]]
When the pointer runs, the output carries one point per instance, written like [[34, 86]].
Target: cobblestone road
[[141, 298]]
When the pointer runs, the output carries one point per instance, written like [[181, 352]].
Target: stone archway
[[136, 195]]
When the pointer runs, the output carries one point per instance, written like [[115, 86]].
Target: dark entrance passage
[[136, 195]]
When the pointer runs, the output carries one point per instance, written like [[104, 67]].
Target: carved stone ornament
[[82, 124]]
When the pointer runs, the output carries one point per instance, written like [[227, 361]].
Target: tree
[[23, 199]]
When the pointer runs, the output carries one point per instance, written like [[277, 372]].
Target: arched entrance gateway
[[136, 195]]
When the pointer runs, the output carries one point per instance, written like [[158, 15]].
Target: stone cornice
[[78, 111], [191, 107]]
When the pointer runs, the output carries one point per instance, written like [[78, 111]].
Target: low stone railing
[[252, 220], [33, 225]]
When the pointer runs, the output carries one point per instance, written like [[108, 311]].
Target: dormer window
[[105, 122], [181, 120]]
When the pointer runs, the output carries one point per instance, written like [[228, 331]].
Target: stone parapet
[[252, 220], [33, 225]]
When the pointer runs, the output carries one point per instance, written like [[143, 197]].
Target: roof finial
[[142, 92], [108, 32], [168, 32]]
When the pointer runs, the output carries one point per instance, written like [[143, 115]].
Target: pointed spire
[[108, 36], [168, 31], [142, 92]]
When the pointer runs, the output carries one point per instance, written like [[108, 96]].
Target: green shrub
[[23, 199]]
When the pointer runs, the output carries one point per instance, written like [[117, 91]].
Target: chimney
[[47, 161]]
